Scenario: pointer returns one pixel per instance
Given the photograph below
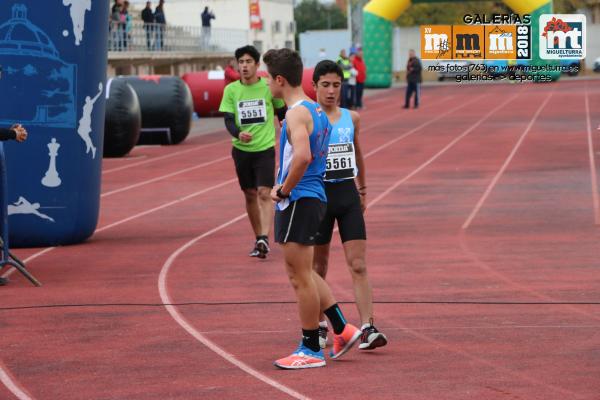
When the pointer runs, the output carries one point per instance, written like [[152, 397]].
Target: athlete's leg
[[355, 258], [243, 167], [264, 174], [266, 210], [321, 259], [293, 227], [345, 334], [298, 264], [251, 197], [326, 298]]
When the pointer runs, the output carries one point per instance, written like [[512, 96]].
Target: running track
[[484, 224]]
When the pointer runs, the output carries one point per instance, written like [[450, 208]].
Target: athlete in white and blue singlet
[[345, 203], [300, 206]]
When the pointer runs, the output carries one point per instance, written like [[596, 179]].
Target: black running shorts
[[254, 169], [299, 222], [343, 205]]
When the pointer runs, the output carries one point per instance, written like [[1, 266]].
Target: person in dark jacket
[[148, 18], [18, 133], [206, 16], [161, 22], [413, 78]]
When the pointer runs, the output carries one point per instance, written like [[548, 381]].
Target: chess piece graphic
[[51, 179]]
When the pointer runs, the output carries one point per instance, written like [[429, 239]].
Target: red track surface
[[483, 252]]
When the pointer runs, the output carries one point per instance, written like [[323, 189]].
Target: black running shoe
[[262, 245], [255, 252], [371, 338]]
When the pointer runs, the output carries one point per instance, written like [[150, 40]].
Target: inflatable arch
[[377, 33]]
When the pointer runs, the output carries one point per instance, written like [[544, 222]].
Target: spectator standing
[[346, 66], [351, 101], [161, 22], [413, 78], [148, 18], [116, 27], [127, 23], [206, 16], [361, 77], [231, 72]]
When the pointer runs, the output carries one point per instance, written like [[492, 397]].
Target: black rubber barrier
[[123, 118], [167, 108]]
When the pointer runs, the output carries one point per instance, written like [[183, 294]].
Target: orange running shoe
[[344, 341], [302, 358]]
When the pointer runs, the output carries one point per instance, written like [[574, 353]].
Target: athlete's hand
[[274, 196], [363, 202], [245, 137], [21, 132]]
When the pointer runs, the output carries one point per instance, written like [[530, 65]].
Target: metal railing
[[142, 37]]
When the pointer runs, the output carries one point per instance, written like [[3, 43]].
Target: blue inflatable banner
[[53, 55]]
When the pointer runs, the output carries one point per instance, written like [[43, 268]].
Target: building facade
[[277, 17]]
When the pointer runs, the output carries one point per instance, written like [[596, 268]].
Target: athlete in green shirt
[[249, 110]]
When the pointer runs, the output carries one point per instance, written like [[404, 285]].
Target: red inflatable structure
[[207, 89]]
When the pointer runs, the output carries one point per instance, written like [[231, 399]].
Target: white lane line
[[594, 176], [505, 165], [442, 151], [158, 178], [166, 156], [166, 299], [12, 386]]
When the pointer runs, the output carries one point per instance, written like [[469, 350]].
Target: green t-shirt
[[253, 106]]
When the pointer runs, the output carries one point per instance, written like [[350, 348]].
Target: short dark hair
[[250, 50], [286, 63], [326, 67]]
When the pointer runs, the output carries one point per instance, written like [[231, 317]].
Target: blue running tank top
[[341, 159], [311, 184]]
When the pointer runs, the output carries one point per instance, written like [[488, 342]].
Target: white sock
[[323, 324], [365, 326]]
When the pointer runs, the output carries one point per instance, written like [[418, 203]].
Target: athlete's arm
[[7, 134], [231, 126], [299, 123], [361, 179]]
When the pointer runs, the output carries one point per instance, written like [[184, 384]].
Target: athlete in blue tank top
[[301, 204], [345, 203], [311, 184]]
